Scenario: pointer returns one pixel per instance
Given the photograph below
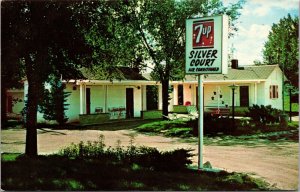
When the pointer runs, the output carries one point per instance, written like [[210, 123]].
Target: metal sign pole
[[205, 53], [200, 122]]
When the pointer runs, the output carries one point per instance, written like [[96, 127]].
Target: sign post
[[200, 122], [206, 53]]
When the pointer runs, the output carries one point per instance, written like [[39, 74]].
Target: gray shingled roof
[[120, 73], [260, 72]]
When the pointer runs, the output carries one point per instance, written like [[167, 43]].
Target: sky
[[255, 22]]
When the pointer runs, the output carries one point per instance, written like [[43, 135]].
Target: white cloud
[[256, 19], [249, 43], [282, 4], [263, 7], [248, 51], [261, 11], [255, 31]]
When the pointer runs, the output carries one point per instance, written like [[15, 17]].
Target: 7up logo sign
[[203, 34], [206, 45]]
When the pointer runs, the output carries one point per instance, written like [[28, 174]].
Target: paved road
[[276, 163]]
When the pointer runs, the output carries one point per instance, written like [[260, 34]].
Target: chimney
[[234, 64]]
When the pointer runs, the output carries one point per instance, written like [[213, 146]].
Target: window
[[273, 91]]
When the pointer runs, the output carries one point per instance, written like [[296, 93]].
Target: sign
[[206, 45]]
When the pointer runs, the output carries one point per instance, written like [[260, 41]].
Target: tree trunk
[[31, 120], [165, 98]]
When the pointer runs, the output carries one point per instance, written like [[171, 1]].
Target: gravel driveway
[[276, 163]]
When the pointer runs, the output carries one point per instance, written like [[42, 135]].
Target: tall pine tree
[[54, 101]]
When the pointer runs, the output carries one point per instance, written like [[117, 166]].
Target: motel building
[[94, 100]]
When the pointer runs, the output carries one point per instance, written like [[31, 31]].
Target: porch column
[[144, 97], [105, 99], [82, 99], [175, 94], [171, 101], [159, 97], [255, 93], [194, 95]]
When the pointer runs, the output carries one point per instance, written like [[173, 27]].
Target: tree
[[12, 69], [282, 47], [47, 42], [108, 30], [257, 62], [148, 31], [161, 28], [53, 103]]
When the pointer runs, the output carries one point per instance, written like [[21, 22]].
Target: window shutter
[[270, 90], [276, 91]]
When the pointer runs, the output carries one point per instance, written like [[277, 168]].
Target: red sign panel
[[203, 34]]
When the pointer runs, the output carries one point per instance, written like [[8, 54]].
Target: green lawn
[[60, 173], [295, 106]]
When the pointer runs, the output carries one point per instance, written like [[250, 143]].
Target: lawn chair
[[192, 111], [171, 116]]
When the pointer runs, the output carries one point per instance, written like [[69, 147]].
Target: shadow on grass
[[59, 173], [113, 125], [117, 125], [53, 132], [271, 138], [15, 142]]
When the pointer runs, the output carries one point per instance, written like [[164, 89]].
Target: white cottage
[[14, 103], [119, 99], [260, 85], [126, 98]]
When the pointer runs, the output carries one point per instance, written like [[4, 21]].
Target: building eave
[[107, 82], [15, 90], [220, 81]]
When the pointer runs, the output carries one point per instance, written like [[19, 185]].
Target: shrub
[[283, 120], [146, 157], [213, 125], [263, 114]]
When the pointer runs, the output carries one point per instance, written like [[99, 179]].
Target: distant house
[[14, 102], [127, 98]]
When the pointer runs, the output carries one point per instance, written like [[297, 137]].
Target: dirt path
[[276, 163]]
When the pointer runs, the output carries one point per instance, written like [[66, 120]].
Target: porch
[[217, 95], [93, 101]]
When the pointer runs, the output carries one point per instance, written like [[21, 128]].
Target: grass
[[174, 128], [254, 139], [246, 134], [295, 106], [112, 125], [55, 172]]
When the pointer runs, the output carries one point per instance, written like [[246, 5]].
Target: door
[[129, 103], [180, 95], [88, 101], [244, 96]]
